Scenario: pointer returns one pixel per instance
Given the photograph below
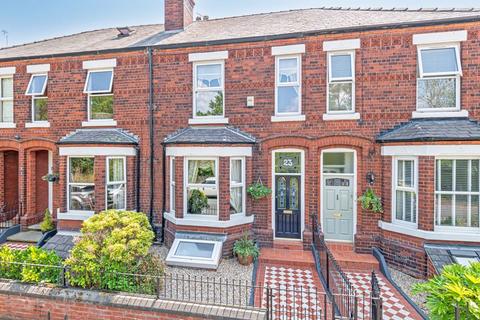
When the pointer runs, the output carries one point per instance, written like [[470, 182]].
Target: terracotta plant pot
[[245, 261]]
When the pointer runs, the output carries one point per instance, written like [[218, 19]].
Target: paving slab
[[26, 236]]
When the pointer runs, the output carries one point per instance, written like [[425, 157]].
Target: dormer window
[[37, 89], [100, 97]]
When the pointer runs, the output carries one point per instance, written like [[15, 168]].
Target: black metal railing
[[9, 215], [376, 303]]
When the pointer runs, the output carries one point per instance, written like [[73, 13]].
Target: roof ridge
[[393, 9], [75, 34]]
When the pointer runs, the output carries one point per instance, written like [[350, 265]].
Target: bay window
[[209, 90], [116, 183], [100, 97], [172, 184], [288, 85], [237, 186], [6, 99], [341, 82], [81, 184], [405, 190], [36, 89], [202, 186], [438, 85], [457, 193]]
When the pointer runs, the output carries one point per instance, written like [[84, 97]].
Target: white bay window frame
[[422, 75], [413, 189], [340, 80], [109, 183], [172, 178], [239, 185], [197, 89], [81, 212], [297, 83]]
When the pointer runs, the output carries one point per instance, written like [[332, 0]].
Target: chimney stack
[[178, 14]]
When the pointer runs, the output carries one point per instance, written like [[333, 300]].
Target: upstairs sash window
[[100, 97], [6, 99], [341, 82], [209, 90], [289, 89], [37, 89]]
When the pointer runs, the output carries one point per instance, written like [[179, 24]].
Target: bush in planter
[[370, 201], [197, 201], [47, 223], [246, 250], [258, 191], [457, 286], [113, 242]]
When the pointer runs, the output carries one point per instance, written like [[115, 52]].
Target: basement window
[[191, 253], [100, 97]]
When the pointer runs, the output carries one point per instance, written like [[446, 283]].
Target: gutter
[[151, 124], [256, 38]]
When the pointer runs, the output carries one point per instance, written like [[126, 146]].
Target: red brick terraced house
[[178, 120]]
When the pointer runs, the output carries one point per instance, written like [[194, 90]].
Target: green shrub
[[370, 201], [258, 191], [245, 248], [457, 286], [197, 201], [47, 223], [112, 242]]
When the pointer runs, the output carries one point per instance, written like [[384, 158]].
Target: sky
[[33, 20]]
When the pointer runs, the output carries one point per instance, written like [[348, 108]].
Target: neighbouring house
[[178, 120]]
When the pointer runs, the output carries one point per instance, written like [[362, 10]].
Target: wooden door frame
[[354, 175], [302, 193]]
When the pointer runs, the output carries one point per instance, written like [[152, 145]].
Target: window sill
[[7, 125], [99, 123], [208, 121], [341, 116], [440, 235], [235, 220], [440, 114], [77, 216], [37, 125], [278, 118]]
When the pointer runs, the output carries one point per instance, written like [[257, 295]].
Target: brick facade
[[386, 77]]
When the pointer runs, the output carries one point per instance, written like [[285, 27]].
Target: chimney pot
[[178, 14]]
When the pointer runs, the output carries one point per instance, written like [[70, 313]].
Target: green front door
[[338, 208]]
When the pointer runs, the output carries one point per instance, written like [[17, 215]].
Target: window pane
[[338, 162], [236, 171], [341, 66], [461, 210], [288, 70], [209, 103], [409, 174], [201, 172], [99, 81], [101, 107], [446, 209], [116, 196], [399, 205], [196, 250], [288, 99], [37, 84], [82, 170], [436, 93], [7, 87], [209, 76], [474, 176], [202, 200], [116, 170], [236, 200], [40, 109], [82, 198], [475, 208], [446, 175], [408, 206], [400, 173], [340, 96], [439, 60], [288, 162], [461, 175], [7, 111]]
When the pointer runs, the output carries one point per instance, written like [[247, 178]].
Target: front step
[[31, 237], [286, 257], [288, 244], [34, 227], [349, 260]]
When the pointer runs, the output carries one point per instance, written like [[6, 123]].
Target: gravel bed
[[406, 282], [209, 286]]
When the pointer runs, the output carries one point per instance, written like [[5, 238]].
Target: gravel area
[[229, 284], [406, 282]]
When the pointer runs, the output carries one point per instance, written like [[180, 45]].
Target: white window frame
[[195, 262], [108, 182], [78, 184], [332, 80], [2, 99], [186, 185], [209, 89], [395, 188], [440, 75], [98, 93], [437, 209], [37, 96], [172, 184], [238, 185], [279, 84]]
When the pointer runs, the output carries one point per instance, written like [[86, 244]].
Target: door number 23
[[287, 162]]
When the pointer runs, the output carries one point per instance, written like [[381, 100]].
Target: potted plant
[[197, 201], [258, 191], [370, 201], [245, 250], [47, 223]]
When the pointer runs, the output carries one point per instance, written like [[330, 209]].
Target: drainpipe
[[164, 189], [137, 164], [151, 124]]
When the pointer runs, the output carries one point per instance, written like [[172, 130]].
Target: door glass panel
[[337, 182], [288, 162], [294, 193], [282, 193]]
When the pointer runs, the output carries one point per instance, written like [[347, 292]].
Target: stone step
[[26, 236], [34, 227], [288, 244], [298, 258]]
